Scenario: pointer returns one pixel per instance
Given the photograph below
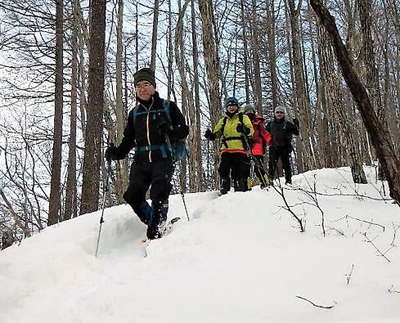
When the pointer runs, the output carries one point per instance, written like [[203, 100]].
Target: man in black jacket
[[154, 125], [282, 132]]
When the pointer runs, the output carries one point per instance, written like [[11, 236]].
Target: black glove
[[296, 122], [210, 135], [242, 129], [111, 153], [179, 132]]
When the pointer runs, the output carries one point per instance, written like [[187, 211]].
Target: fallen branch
[[376, 248], [288, 208], [316, 305], [368, 222], [348, 276], [395, 228]]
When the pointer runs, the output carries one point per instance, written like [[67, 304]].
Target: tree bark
[[55, 190], [70, 194], [122, 165], [154, 35], [93, 139], [212, 67]]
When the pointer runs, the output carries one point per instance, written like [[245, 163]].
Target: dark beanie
[[144, 74]]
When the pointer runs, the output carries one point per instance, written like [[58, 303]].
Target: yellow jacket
[[232, 140]]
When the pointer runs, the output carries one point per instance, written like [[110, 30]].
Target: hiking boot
[[225, 184], [158, 219]]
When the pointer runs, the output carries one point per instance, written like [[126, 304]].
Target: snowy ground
[[241, 258]]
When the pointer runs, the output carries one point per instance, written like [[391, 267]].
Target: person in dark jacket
[[153, 125], [235, 163], [281, 147]]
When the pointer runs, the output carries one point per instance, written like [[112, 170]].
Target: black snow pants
[[236, 165], [157, 174], [282, 152]]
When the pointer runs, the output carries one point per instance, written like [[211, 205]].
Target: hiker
[[153, 126], [261, 138], [281, 147], [234, 155]]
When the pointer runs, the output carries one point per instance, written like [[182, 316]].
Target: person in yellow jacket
[[235, 131]]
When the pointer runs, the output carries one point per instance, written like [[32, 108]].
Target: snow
[[241, 258]]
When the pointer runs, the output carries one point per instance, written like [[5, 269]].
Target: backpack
[[177, 149]]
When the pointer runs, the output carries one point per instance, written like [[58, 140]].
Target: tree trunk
[[272, 53], [379, 135], [245, 52], [212, 67], [301, 101], [154, 35], [122, 165], [55, 191], [197, 137], [92, 155], [70, 194], [255, 39]]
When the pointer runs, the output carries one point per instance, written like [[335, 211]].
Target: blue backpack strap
[[165, 104], [135, 113]]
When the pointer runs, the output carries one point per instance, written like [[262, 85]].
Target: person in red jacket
[[261, 138]]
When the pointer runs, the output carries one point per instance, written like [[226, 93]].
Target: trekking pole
[[184, 204], [256, 162], [103, 203], [171, 149]]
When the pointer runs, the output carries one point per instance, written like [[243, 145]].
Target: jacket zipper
[[148, 128]]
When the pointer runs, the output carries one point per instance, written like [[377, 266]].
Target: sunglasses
[[279, 112]]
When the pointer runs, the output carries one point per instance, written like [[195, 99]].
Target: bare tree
[[55, 190], [379, 135], [94, 128]]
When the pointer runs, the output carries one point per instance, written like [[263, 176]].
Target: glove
[[242, 129], [111, 153], [209, 135], [180, 132], [296, 122]]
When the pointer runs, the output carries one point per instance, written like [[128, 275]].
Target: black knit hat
[[144, 74], [231, 101]]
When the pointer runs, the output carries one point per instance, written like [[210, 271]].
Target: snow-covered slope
[[241, 258]]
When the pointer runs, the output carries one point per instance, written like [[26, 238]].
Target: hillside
[[241, 258]]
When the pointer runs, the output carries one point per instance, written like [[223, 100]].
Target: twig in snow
[[338, 231], [313, 196], [316, 305], [288, 208], [371, 223], [348, 276], [393, 291], [395, 228], [376, 248]]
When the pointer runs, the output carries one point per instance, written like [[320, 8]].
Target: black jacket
[[282, 132], [144, 130]]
